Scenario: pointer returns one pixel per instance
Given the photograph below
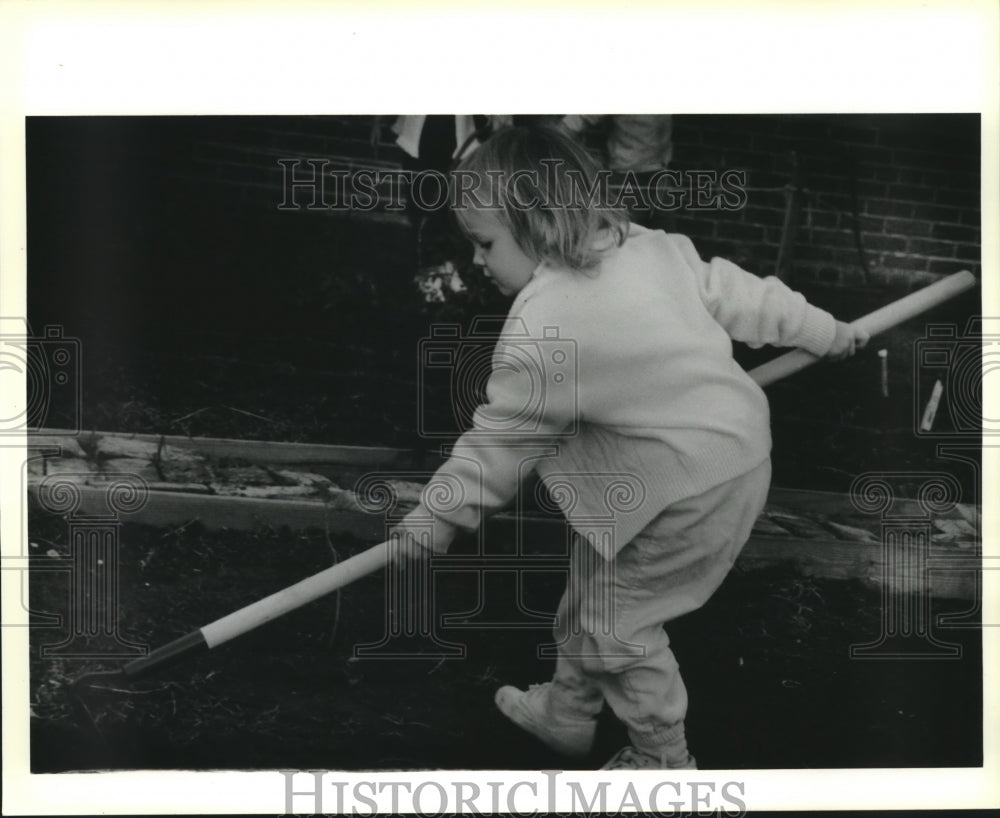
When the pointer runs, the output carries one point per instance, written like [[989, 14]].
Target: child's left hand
[[849, 338]]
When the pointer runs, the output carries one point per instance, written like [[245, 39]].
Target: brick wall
[[904, 188], [881, 200], [238, 157]]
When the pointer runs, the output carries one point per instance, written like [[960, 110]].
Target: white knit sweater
[[619, 387]]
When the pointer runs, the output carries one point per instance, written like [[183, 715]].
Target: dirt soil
[[766, 663]]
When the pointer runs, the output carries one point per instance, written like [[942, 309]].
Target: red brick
[[947, 266], [969, 180], [883, 173], [901, 280], [956, 232], [884, 243], [821, 253], [913, 193], [741, 232], [902, 157], [835, 184], [880, 277], [867, 224], [763, 215], [937, 213], [957, 198], [910, 176], [766, 252], [829, 164], [969, 252], [888, 207], [769, 199], [874, 190], [908, 227], [830, 237], [762, 178], [929, 247], [904, 262], [821, 217]]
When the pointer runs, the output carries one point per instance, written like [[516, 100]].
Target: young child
[[653, 395]]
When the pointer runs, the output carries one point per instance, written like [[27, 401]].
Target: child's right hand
[[847, 341], [419, 535]]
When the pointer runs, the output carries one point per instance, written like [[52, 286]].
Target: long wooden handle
[[295, 596], [370, 560], [881, 320], [264, 610]]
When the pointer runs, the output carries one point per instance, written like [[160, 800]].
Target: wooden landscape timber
[[818, 532]]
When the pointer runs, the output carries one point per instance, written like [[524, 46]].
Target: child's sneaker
[[629, 758], [569, 734]]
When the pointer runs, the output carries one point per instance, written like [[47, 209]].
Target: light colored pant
[[611, 644]]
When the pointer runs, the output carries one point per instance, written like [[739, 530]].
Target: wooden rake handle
[[882, 319], [370, 560], [264, 610]]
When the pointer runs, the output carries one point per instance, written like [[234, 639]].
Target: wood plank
[[277, 452], [269, 452], [832, 503], [832, 559], [951, 574], [168, 508]]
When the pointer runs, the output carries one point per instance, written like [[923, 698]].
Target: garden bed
[[360, 490], [767, 663]]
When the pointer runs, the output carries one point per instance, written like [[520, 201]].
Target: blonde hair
[[541, 184]]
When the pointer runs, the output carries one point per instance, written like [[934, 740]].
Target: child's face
[[496, 250]]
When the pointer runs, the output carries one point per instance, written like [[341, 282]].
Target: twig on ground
[[189, 415], [180, 529], [336, 558], [249, 414]]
